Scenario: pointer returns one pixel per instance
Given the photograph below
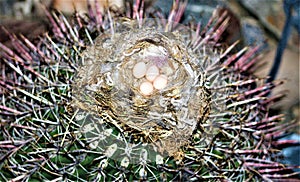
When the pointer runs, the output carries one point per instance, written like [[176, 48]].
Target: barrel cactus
[[136, 96]]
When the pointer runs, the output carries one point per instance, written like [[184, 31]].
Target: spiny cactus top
[[127, 97]]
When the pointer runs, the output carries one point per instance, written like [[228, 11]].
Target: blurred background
[[255, 22]]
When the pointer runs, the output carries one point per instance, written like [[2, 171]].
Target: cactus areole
[[129, 97]]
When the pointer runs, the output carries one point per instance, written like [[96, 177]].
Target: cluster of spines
[[38, 138]]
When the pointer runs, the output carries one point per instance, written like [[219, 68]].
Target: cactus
[[123, 97]]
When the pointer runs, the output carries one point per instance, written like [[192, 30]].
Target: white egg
[[160, 82], [152, 73], [146, 88], [139, 70]]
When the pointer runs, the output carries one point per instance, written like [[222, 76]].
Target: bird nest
[[145, 82]]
